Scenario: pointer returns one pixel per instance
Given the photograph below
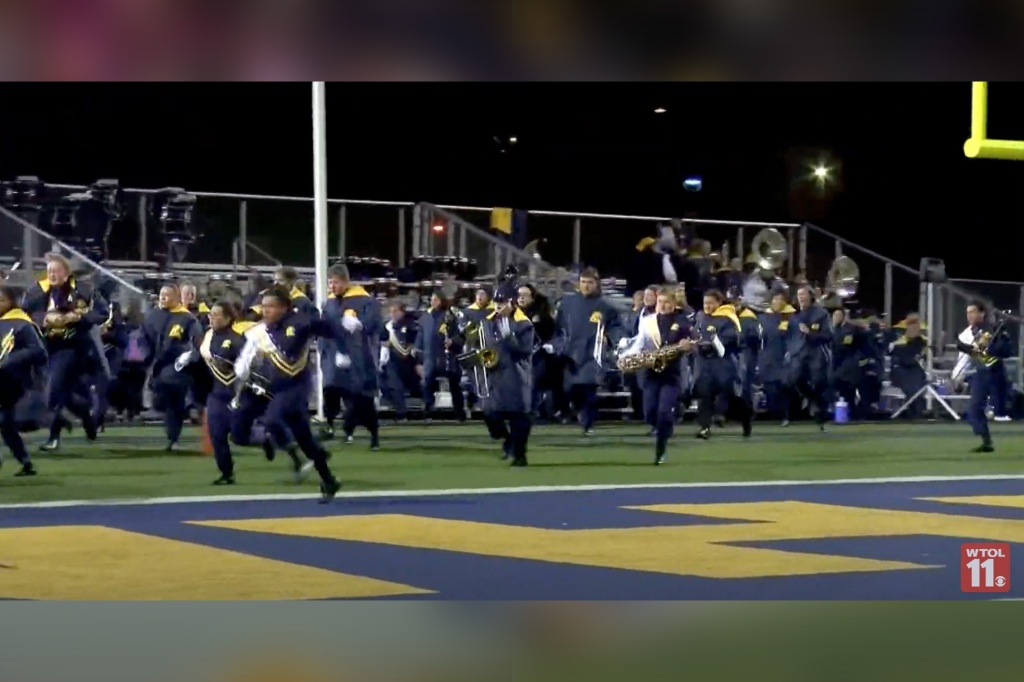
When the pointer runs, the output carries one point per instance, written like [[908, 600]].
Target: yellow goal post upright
[[979, 146]]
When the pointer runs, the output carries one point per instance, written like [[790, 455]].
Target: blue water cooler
[[842, 412]]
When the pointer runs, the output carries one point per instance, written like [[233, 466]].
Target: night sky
[[906, 188]]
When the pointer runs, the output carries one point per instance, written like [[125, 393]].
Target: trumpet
[[480, 358], [984, 339]]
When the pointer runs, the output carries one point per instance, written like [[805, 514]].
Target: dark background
[[905, 188]]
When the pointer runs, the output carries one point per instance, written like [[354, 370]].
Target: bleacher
[[425, 258]]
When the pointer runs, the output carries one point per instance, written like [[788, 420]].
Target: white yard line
[[202, 499]]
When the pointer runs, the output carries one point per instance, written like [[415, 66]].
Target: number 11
[[976, 566]]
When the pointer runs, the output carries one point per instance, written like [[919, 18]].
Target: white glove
[[623, 344], [342, 361], [390, 326], [182, 361], [505, 328], [351, 323], [385, 355], [548, 348]]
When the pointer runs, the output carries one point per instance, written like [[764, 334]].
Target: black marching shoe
[[326, 432], [26, 470], [984, 447], [268, 449], [659, 458], [748, 428], [225, 480], [51, 445], [519, 462], [704, 434], [89, 426], [172, 446], [328, 489], [375, 444]]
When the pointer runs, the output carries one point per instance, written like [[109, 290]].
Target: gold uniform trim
[[268, 349], [211, 360]]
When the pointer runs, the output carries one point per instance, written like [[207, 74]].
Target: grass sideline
[[127, 463]]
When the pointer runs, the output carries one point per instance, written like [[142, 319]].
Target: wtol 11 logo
[[985, 567]]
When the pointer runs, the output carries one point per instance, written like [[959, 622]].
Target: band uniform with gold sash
[[501, 361], [22, 355], [716, 363], [219, 350], [283, 342], [66, 310], [663, 339], [170, 332]]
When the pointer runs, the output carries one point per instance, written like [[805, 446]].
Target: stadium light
[[821, 173], [513, 140], [438, 228], [660, 110]]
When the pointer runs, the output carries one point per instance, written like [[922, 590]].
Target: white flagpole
[[320, 218]]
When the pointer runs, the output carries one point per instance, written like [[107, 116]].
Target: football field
[[861, 512]]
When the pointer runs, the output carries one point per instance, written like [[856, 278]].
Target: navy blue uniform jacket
[[167, 333], [362, 347], [725, 325], [73, 296], [219, 350], [576, 324], [511, 381], [21, 348]]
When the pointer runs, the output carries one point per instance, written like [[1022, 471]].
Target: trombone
[[599, 344], [480, 358]]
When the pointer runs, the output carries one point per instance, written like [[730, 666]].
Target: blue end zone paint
[[464, 576]]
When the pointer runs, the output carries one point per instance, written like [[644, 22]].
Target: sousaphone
[[843, 277], [770, 250]]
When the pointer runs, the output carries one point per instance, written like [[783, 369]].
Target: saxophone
[[654, 360]]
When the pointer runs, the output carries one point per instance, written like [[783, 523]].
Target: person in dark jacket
[[509, 332], [773, 368], [716, 365], [548, 370], [220, 347], [437, 347], [397, 359], [586, 326], [66, 310], [661, 329], [171, 332], [283, 341], [909, 355], [989, 350], [809, 346], [357, 325], [22, 354], [849, 348]]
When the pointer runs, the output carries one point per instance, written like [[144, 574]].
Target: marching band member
[[582, 323], [222, 343], [772, 367], [547, 371], [22, 352], [355, 318], [645, 302], [909, 353], [114, 337], [665, 327], [849, 348], [397, 358], [510, 382], [809, 349], [985, 348], [751, 343], [201, 311], [716, 370], [437, 346], [67, 310], [170, 332], [288, 279], [283, 342]]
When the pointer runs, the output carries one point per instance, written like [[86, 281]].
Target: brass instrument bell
[[769, 249], [844, 276]]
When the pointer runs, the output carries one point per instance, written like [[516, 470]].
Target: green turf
[[130, 463]]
